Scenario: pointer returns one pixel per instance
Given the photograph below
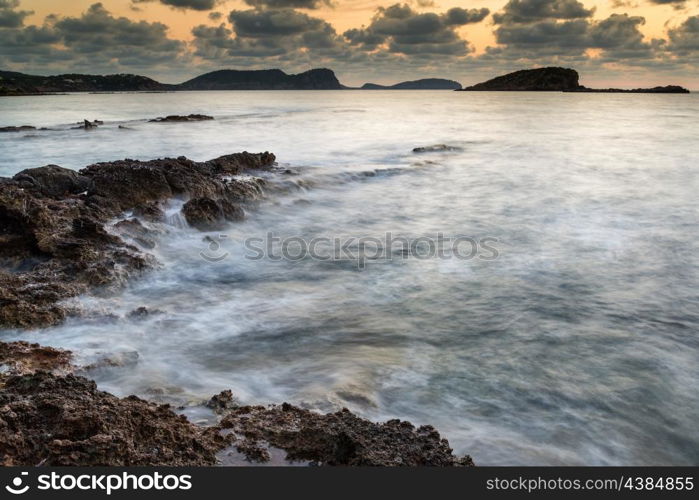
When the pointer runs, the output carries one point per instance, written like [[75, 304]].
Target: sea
[[528, 283]]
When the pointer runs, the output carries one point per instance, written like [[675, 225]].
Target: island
[[13, 83], [424, 84], [555, 79], [267, 79]]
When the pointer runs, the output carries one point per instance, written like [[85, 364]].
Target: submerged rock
[[53, 238], [436, 148], [21, 128], [182, 118]]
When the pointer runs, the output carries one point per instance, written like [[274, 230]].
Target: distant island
[[554, 79], [424, 84], [12, 83], [266, 79], [540, 79]]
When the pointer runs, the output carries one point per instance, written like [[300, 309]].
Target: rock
[[207, 214], [53, 240], [143, 313], [21, 358], [134, 230], [435, 148], [21, 128], [88, 125], [222, 401], [66, 421], [182, 118], [339, 438], [52, 180], [50, 416], [152, 212]]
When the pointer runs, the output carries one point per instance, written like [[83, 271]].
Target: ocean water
[[574, 340]]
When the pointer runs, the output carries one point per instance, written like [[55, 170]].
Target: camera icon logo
[[16, 488]]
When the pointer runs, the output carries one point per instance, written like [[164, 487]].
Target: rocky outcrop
[[339, 438], [182, 118], [208, 214], [64, 420], [55, 242], [557, 79], [540, 79], [22, 358]]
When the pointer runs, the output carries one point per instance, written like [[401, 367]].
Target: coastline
[[71, 233]]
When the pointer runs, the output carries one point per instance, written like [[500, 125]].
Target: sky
[[624, 43]]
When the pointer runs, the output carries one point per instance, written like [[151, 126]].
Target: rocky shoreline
[[65, 233]]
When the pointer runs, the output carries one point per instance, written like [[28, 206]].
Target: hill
[[557, 79], [12, 83], [424, 84], [268, 79]]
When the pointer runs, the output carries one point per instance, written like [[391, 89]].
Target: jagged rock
[[151, 212], [207, 214], [21, 358], [339, 438], [222, 401], [66, 421], [52, 180], [53, 240]]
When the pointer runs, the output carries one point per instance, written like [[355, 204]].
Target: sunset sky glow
[[611, 43]]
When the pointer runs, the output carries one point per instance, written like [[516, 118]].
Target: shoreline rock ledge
[[555, 79], [51, 416], [61, 234]]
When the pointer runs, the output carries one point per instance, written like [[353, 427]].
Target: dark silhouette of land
[[424, 84], [558, 80], [540, 79]]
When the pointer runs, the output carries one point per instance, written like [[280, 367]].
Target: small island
[[554, 79], [424, 84]]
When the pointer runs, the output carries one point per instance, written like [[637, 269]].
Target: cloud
[[405, 31], [678, 4], [9, 16], [524, 11], [684, 39], [287, 4], [563, 31], [269, 37], [94, 42], [184, 4]]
